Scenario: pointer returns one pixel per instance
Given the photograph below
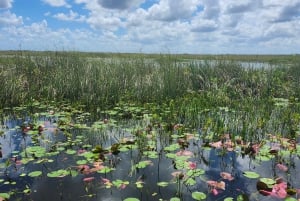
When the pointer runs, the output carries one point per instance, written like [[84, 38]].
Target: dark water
[[213, 161]]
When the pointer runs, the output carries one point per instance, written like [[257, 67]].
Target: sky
[[152, 26]]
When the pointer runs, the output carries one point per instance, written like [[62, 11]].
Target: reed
[[105, 80]]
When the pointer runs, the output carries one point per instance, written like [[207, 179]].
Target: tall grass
[[106, 80]]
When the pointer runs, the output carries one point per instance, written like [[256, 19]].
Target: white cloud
[[71, 16], [199, 26], [120, 5], [57, 3], [10, 19], [100, 22], [6, 3], [170, 10], [204, 25]]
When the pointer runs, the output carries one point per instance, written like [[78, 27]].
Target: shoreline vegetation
[[104, 79], [209, 121]]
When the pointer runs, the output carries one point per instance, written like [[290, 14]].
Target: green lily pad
[[105, 170], [290, 199], [163, 184], [81, 162], [71, 152], [35, 173], [4, 195], [251, 175], [198, 195], [58, 173], [268, 181], [142, 164], [131, 199]]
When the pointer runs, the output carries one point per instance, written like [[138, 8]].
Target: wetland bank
[[99, 126]]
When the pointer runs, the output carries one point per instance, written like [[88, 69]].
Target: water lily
[[177, 174], [227, 176], [192, 165], [84, 169], [88, 179], [282, 167], [107, 182], [214, 191], [184, 153], [217, 185], [279, 190]]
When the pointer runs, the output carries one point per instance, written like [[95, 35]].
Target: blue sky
[[152, 26]]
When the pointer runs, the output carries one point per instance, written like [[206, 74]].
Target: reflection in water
[[72, 187]]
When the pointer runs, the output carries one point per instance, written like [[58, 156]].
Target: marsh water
[[145, 164]]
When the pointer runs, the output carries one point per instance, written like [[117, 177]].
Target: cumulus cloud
[[225, 26], [8, 18], [211, 9], [232, 6], [57, 3], [71, 16], [100, 22], [6, 3], [120, 5], [204, 26], [289, 12], [170, 10]]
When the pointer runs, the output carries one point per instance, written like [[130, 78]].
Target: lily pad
[[58, 173], [163, 184], [251, 174], [35, 173], [81, 162], [198, 195], [4, 195], [131, 199]]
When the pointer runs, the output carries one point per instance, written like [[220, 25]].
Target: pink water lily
[[192, 165], [279, 190], [177, 174], [107, 182], [215, 184], [84, 169], [218, 144], [88, 179], [184, 153], [227, 176], [282, 167], [214, 191]]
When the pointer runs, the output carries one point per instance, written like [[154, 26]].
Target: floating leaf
[[81, 162], [163, 184], [105, 170], [198, 195], [4, 195], [170, 155], [35, 174], [268, 181], [71, 152], [190, 181], [228, 199], [242, 197], [58, 173], [131, 199], [143, 164], [175, 199], [290, 199], [251, 175], [172, 147]]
